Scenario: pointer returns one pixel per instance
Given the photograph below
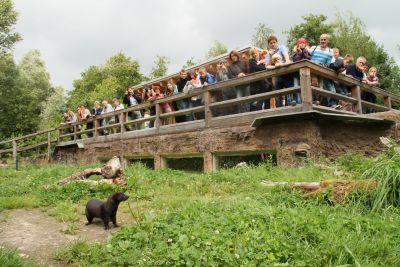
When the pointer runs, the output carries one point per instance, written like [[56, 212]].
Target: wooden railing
[[304, 70]]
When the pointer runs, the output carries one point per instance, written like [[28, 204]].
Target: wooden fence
[[207, 111]]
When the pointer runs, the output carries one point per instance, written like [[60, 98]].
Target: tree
[[119, 71], [52, 109], [351, 37], [35, 86], [311, 29], [217, 49], [160, 67], [189, 63], [8, 18], [108, 89], [260, 38], [11, 99]]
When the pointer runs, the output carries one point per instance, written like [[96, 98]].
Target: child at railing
[[372, 80], [276, 61], [107, 108], [165, 107]]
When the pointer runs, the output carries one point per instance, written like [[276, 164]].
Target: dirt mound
[[37, 235]]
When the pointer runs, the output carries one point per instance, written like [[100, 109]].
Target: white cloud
[[72, 35]]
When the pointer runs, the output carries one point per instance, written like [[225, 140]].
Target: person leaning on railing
[[283, 81], [261, 86], [239, 68], [84, 114], [107, 108], [322, 54], [133, 98]]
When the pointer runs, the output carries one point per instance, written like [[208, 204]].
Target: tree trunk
[[111, 170]]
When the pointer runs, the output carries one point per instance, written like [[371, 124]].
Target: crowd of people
[[239, 65]]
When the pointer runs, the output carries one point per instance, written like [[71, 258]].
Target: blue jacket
[[210, 79]]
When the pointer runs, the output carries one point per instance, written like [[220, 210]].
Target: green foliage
[[10, 258], [311, 29], [106, 81], [217, 49], [36, 88], [189, 63], [160, 67], [52, 109], [10, 97], [8, 18], [355, 163], [386, 171], [348, 36], [106, 90], [260, 37], [225, 218]]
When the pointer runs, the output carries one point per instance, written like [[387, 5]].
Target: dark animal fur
[[105, 210]]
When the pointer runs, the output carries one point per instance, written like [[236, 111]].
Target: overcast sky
[[72, 34]]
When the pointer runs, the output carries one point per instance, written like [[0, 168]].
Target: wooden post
[[75, 132], [59, 139], [210, 162], [207, 110], [15, 150], [356, 93], [48, 146], [96, 127], [387, 101], [122, 121], [157, 122], [305, 87], [159, 162]]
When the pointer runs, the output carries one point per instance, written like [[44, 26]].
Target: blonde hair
[[373, 68], [274, 58], [253, 51]]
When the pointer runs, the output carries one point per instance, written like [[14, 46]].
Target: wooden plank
[[34, 134], [251, 98], [207, 110], [15, 150], [378, 91], [356, 93], [375, 106], [387, 101], [333, 95], [332, 110], [157, 122], [25, 148], [6, 142], [305, 85], [150, 118], [8, 150], [48, 146], [249, 117], [182, 112]]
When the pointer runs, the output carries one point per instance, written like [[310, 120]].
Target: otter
[[105, 210]]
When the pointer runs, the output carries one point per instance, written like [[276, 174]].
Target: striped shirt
[[321, 55]]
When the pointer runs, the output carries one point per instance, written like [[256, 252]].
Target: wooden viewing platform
[[288, 132]]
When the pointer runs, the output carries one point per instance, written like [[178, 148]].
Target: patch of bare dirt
[[36, 235]]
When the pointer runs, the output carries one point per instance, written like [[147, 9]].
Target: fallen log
[[111, 170], [339, 188]]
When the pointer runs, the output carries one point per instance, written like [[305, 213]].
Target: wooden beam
[[356, 93], [332, 110], [15, 150], [207, 109], [157, 122], [48, 146], [333, 95], [305, 85], [182, 112], [375, 106], [387, 101], [251, 98]]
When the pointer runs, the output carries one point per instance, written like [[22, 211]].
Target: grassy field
[[227, 218]]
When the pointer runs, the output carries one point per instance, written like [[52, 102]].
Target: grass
[[226, 218], [11, 258]]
